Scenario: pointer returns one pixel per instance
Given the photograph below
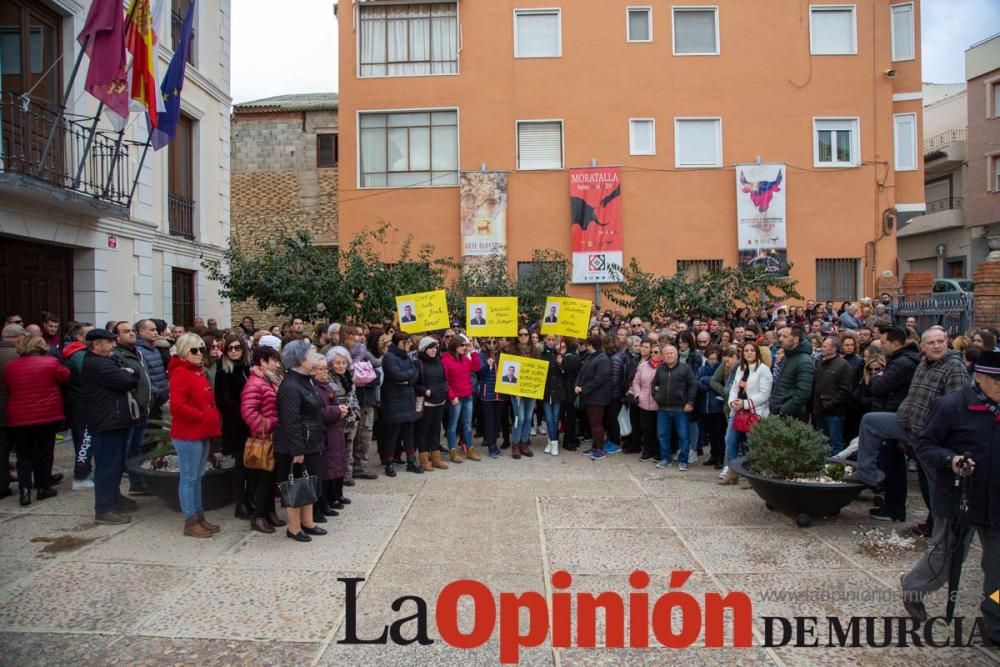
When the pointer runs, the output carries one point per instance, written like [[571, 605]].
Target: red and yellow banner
[[595, 196]]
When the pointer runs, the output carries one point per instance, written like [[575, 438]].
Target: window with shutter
[[537, 33], [838, 279], [540, 144], [642, 136], [832, 30], [696, 31], [902, 32], [905, 141], [836, 142], [698, 142], [639, 24]]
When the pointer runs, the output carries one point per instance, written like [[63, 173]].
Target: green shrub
[[836, 471], [785, 448]]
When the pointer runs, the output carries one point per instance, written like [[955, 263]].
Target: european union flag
[[171, 87]]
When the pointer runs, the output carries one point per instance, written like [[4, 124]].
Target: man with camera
[[960, 448]]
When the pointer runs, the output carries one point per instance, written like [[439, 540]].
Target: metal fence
[[956, 315]]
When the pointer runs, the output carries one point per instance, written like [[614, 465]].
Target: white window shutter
[[537, 34], [902, 32], [698, 143], [642, 137], [694, 31], [539, 145], [832, 31], [905, 142]]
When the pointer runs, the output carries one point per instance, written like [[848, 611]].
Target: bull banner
[[483, 213], [760, 216], [595, 198]]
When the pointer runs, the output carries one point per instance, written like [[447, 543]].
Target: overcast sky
[[294, 49]]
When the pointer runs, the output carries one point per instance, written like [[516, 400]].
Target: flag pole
[[138, 170], [63, 102], [114, 160]]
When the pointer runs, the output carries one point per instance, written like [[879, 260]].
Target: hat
[[270, 341], [14, 331], [426, 342], [99, 334], [989, 363]]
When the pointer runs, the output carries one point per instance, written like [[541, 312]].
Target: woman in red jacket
[[259, 409], [195, 421], [34, 410], [459, 365]]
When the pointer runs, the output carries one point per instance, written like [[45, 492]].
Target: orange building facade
[[831, 91]]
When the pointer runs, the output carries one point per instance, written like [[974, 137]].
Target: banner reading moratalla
[[595, 197], [760, 216], [484, 213]]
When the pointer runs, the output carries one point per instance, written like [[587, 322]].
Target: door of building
[[35, 277]]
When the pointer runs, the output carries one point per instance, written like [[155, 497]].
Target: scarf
[[655, 363], [266, 375], [990, 404]]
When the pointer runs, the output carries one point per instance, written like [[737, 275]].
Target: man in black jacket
[[130, 357], [832, 384], [595, 392], [674, 390], [962, 438], [107, 383]]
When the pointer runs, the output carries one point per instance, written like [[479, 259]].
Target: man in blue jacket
[[145, 331]]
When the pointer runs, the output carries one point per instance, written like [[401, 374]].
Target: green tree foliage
[[647, 295]]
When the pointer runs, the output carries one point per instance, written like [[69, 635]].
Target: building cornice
[[191, 72]]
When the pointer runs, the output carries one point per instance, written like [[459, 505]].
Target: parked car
[[951, 288]]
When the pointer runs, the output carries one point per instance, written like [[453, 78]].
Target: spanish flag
[[139, 41]]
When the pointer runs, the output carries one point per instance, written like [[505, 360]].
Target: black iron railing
[[181, 215], [65, 150], [946, 204]]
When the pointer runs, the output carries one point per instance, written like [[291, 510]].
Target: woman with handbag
[[749, 398], [230, 378], [195, 421], [259, 409], [298, 441], [364, 374], [399, 403], [335, 410]]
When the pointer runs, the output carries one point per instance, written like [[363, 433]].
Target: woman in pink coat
[[259, 409], [642, 392]]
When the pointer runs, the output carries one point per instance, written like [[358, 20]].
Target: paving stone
[[30, 649], [752, 549], [592, 551], [886, 657], [696, 657], [14, 569], [599, 513], [46, 536], [161, 539], [155, 652]]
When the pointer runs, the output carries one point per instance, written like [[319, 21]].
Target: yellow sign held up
[[424, 311], [491, 316], [565, 316], [521, 376]]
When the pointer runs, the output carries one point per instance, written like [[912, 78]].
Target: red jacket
[[459, 372], [259, 402], [33, 389], [192, 403]]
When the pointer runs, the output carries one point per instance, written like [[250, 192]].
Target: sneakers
[[534, 431], [663, 464], [587, 452], [597, 454], [555, 448], [693, 457], [645, 457], [139, 490], [548, 448], [495, 453], [111, 518], [723, 472], [612, 448], [542, 429], [682, 467], [82, 484], [883, 514]]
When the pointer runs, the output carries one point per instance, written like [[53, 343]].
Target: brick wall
[[987, 294], [277, 188]]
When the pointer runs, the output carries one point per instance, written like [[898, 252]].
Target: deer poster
[[595, 196], [760, 216], [483, 213]]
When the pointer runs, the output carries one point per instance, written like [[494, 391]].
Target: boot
[[455, 456], [554, 451], [425, 462], [261, 525], [730, 479], [473, 455], [193, 528], [242, 510], [390, 470], [526, 449], [548, 447], [413, 466], [212, 528], [515, 450], [274, 520], [436, 461]]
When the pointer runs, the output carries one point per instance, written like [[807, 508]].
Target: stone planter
[[803, 501], [217, 485]]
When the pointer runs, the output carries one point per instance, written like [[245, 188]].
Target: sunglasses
[[522, 333], [17, 321], [234, 347], [655, 352], [198, 350]]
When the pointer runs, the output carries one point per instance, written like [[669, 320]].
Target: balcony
[[941, 214], [59, 160], [945, 151], [180, 211]]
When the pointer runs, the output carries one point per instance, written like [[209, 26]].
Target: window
[[411, 148], [696, 31], [542, 270], [540, 144], [832, 30], [698, 268], [996, 99], [178, 12], [183, 296], [902, 32], [905, 141], [639, 24], [537, 33], [837, 279], [993, 173], [836, 142], [180, 180], [326, 150], [642, 136], [408, 40], [698, 142]]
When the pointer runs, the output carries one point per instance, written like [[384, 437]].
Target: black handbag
[[299, 491]]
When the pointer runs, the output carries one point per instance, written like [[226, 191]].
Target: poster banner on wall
[[595, 201], [483, 212], [760, 216]]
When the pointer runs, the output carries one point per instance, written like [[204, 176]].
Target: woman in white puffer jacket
[[751, 390]]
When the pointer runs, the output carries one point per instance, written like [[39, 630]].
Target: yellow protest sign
[[521, 376], [565, 316], [491, 316], [424, 311]]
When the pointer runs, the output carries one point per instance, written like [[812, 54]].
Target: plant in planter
[[788, 468]]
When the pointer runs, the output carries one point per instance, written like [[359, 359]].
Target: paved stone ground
[[144, 594]]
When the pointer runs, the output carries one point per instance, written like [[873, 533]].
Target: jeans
[[734, 439], [666, 422], [523, 408], [192, 455], [456, 414], [694, 434], [833, 429], [876, 427], [109, 456], [551, 419], [133, 447]]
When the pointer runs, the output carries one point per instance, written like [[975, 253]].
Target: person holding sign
[[555, 392], [433, 387], [459, 365], [524, 407], [494, 405], [594, 391], [399, 403]]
